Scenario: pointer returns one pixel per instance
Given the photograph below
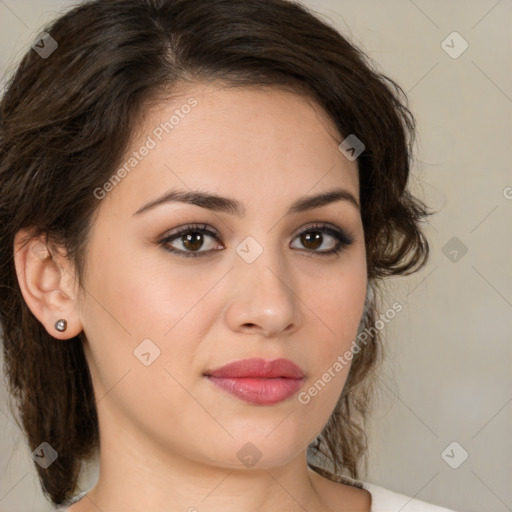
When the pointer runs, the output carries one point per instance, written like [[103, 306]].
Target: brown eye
[[312, 240], [314, 237], [191, 239]]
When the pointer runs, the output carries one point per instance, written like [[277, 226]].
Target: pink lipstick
[[259, 381]]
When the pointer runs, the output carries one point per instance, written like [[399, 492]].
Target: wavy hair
[[66, 122]]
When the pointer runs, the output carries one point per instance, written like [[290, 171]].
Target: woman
[[200, 199]]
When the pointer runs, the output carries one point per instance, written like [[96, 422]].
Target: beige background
[[447, 377]]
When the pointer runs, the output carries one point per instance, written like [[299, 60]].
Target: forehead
[[256, 141]]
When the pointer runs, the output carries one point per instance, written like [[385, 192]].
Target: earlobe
[[46, 283]]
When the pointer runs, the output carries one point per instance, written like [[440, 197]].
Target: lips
[[259, 368], [257, 380]]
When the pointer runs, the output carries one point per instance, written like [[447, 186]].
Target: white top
[[383, 500]]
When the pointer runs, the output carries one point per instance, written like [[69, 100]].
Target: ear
[[48, 284]]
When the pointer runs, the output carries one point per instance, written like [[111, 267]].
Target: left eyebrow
[[232, 206]]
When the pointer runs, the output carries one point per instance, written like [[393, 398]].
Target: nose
[[263, 299]]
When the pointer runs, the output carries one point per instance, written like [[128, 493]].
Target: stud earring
[[61, 325]]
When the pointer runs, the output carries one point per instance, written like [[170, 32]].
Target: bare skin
[[169, 438]]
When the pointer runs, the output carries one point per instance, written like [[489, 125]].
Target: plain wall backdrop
[[446, 385]]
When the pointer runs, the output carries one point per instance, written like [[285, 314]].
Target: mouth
[[257, 380]]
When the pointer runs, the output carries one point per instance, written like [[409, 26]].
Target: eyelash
[[343, 239]]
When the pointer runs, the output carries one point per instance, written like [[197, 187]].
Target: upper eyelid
[[344, 239], [206, 227], [214, 233]]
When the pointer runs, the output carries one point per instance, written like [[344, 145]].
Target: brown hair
[[66, 121]]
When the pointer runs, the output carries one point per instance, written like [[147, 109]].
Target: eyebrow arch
[[234, 207]]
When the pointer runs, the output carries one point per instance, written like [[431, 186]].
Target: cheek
[[338, 303], [143, 294], [144, 309], [130, 308], [336, 310]]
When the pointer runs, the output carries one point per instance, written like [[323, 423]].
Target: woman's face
[[162, 310]]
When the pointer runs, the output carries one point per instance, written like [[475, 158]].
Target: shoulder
[[385, 500]]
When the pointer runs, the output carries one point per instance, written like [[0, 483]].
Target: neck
[[140, 476]]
